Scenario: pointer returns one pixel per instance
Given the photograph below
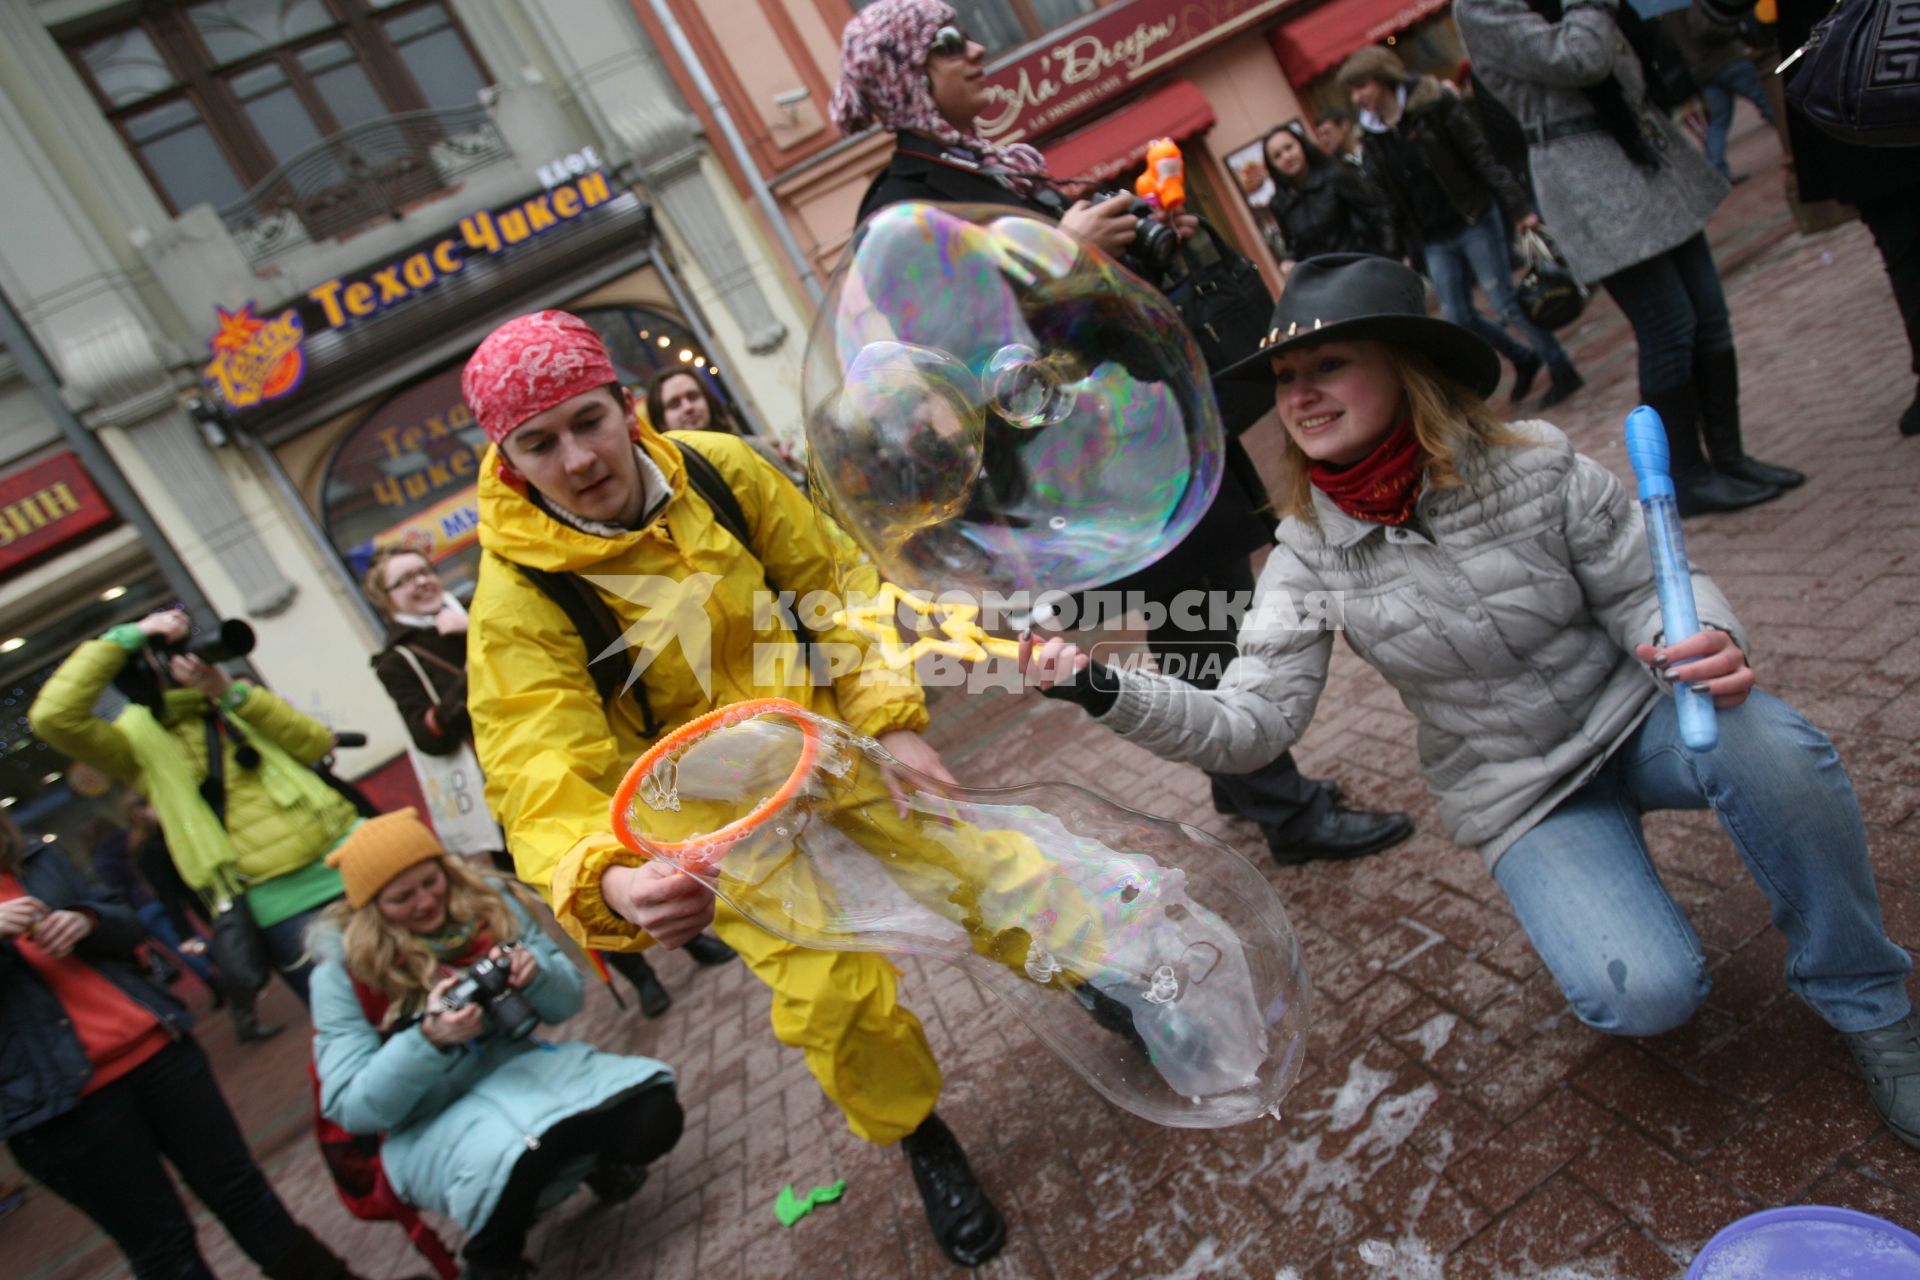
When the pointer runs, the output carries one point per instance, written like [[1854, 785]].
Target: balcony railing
[[360, 175]]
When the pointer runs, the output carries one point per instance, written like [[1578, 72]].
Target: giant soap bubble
[[1152, 959], [990, 406]]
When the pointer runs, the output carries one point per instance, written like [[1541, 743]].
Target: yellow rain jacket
[[685, 590]]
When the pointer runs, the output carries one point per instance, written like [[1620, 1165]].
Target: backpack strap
[[595, 624]]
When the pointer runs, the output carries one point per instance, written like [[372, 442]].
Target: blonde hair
[[1449, 419], [395, 960], [374, 581]]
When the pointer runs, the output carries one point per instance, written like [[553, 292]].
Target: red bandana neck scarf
[[1383, 486]]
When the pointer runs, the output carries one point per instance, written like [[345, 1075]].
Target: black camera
[[1154, 242], [232, 639], [485, 984]]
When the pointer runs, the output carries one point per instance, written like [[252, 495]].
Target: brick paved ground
[[1454, 1120]]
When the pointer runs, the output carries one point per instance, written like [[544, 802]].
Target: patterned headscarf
[[883, 80], [530, 364]]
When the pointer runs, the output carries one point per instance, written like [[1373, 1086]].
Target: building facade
[[251, 245], [1090, 82]]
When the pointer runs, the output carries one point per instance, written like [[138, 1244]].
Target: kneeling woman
[[1501, 583], [480, 1124]]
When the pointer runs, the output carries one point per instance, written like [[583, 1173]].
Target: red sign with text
[[1078, 68], [44, 505]]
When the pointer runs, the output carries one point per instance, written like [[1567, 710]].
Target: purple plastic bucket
[[1809, 1242]]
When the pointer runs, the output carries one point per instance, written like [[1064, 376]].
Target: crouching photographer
[[227, 766], [429, 984]]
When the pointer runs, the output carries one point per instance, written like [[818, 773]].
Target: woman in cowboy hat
[[1501, 582]]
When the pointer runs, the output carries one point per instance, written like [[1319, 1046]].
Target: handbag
[[1549, 293], [1225, 305], [237, 946], [453, 785], [1859, 74]]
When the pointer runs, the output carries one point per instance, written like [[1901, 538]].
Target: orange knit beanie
[[380, 849]]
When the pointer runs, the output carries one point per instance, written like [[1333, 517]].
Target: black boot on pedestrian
[[966, 1226], [1890, 1060], [612, 1183], [1698, 489], [1111, 1015], [308, 1259], [1910, 420], [248, 1029], [633, 966], [1566, 384], [1340, 834], [1525, 369], [709, 950], [1717, 376]]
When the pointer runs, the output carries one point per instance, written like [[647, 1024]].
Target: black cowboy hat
[[1344, 297]]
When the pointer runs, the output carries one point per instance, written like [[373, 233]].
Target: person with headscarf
[[907, 66], [577, 486]]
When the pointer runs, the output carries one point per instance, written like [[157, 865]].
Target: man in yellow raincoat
[[576, 485]]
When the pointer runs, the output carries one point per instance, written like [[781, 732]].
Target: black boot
[[1910, 420], [632, 966], [612, 1183], [1339, 835], [1698, 489], [308, 1259], [1716, 374], [1890, 1060], [1526, 368], [703, 949], [966, 1226], [1111, 1015], [247, 1027]]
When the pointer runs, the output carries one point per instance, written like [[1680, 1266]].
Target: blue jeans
[[1675, 304], [286, 947], [1591, 900], [1738, 78], [1479, 252]]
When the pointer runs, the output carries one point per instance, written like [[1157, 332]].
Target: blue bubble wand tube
[[1672, 579]]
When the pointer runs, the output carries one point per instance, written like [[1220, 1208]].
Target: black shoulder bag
[[1225, 305], [1859, 74], [238, 947]]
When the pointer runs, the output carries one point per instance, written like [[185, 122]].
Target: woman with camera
[[430, 980], [227, 765], [908, 66], [424, 669]]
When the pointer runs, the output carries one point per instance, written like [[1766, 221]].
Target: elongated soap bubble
[[990, 406], [1150, 958]]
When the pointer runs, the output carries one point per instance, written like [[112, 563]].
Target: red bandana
[[1383, 486], [530, 364]]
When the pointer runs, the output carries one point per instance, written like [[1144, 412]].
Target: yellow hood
[[514, 529]]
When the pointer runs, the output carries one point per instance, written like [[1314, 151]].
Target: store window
[[212, 97], [407, 472], [1001, 25]]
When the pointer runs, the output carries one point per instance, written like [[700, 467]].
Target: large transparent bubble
[[1154, 960], [990, 406]]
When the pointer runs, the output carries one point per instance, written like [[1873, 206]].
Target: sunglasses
[[950, 42]]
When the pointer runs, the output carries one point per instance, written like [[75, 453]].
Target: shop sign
[[257, 360], [44, 505], [1075, 70]]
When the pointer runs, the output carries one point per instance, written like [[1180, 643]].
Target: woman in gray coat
[[1501, 583], [1628, 198]]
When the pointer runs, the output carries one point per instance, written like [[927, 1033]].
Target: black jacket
[[43, 1066], [1238, 522], [410, 696], [1444, 135], [1338, 209]]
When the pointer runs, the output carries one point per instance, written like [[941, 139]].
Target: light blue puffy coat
[[456, 1121]]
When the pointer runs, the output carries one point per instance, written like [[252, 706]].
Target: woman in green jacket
[[255, 829]]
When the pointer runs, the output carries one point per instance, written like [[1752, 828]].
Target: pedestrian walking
[[1321, 204]]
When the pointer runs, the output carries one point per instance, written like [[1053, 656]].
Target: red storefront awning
[[1118, 140], [1317, 41]]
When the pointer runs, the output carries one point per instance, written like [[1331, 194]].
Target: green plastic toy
[[790, 1208]]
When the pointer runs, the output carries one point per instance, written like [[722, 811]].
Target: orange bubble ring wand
[[703, 853]]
